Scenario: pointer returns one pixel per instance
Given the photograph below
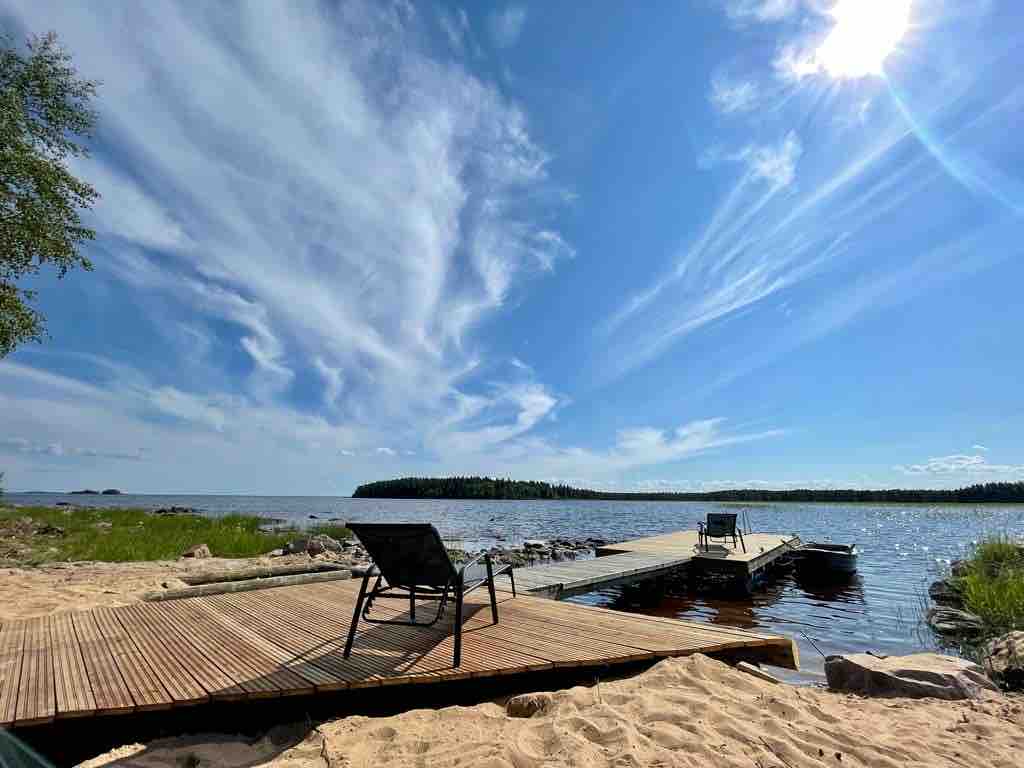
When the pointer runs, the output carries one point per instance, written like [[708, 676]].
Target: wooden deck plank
[[259, 674], [108, 687], [74, 694], [288, 648], [179, 644], [12, 644], [175, 680], [143, 684], [36, 690]]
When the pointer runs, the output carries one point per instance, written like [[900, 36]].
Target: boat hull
[[826, 560]]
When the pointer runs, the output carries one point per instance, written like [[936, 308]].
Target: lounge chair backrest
[[721, 524], [407, 554]]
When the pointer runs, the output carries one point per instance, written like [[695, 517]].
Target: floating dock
[[655, 557], [287, 641]]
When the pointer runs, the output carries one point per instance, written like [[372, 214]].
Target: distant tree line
[[499, 488]]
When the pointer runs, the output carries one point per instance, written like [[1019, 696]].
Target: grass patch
[[334, 530], [122, 535], [992, 585]]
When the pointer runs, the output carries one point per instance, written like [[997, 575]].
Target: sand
[[29, 592], [692, 711]]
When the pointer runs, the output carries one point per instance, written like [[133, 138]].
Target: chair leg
[[490, 588], [743, 543], [458, 627], [512, 578], [355, 614], [412, 603]]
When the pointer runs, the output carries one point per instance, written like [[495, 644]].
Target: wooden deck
[[569, 578], [287, 641], [648, 558]]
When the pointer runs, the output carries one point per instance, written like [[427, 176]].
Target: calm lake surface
[[903, 548]]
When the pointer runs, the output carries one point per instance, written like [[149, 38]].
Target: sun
[[865, 33]]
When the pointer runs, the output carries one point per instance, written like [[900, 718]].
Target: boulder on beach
[[1004, 660], [918, 676], [197, 551], [314, 545], [954, 622], [529, 704]]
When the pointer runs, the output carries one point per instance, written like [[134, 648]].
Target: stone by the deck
[[529, 704], [920, 675]]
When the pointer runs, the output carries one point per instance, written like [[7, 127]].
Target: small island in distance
[[500, 488]]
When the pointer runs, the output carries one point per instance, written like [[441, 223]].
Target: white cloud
[[507, 25], [337, 206], [794, 62], [216, 444], [730, 96], [456, 28], [57, 449], [974, 466], [774, 163], [981, 448], [760, 10]]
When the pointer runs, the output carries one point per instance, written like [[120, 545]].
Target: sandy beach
[[682, 712]]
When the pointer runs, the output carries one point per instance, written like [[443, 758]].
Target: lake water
[[903, 548]]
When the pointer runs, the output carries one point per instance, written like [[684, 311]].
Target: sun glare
[[865, 33]]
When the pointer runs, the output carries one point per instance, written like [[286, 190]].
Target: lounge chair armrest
[[471, 563]]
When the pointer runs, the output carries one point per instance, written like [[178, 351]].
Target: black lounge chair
[[719, 525], [412, 559]]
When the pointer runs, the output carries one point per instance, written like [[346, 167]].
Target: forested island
[[500, 488]]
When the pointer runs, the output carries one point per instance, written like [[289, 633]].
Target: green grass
[[138, 535], [993, 585], [334, 530]]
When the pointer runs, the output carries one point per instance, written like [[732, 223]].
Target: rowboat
[[822, 560]]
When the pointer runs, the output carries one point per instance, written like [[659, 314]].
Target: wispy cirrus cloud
[[507, 25], [319, 256], [968, 465], [760, 10], [731, 95]]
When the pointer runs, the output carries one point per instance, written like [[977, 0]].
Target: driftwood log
[[259, 572], [201, 590]]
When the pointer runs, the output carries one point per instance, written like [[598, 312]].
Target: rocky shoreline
[[532, 551], [1002, 655]]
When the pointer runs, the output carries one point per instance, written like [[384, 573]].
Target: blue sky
[[694, 245]]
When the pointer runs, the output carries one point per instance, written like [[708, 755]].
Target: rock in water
[[918, 676], [950, 621], [529, 704], [1004, 659], [197, 551], [942, 592]]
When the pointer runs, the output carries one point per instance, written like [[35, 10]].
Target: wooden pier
[[287, 641], [653, 557]]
